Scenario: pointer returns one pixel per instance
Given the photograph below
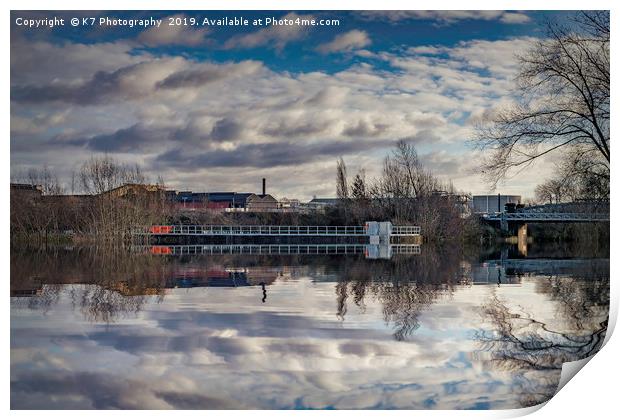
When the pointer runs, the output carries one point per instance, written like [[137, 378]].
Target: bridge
[[369, 251], [541, 216], [575, 212]]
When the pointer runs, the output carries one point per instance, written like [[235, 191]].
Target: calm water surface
[[93, 328]]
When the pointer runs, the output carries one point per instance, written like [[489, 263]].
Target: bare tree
[[585, 174], [101, 174], [33, 217], [342, 186], [563, 86], [579, 176], [112, 214], [103, 214], [43, 177], [73, 181], [360, 200], [358, 189], [552, 191], [404, 175], [342, 191]]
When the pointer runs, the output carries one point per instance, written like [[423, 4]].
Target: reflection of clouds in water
[[313, 344], [103, 391], [221, 348]]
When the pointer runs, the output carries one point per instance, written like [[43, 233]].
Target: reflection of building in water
[[181, 277], [27, 286], [123, 287], [491, 272], [129, 288], [186, 277], [510, 271], [26, 292]]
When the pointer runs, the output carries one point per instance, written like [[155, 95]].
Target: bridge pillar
[[522, 239], [503, 223]]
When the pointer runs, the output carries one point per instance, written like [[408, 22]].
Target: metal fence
[[406, 230], [259, 249], [406, 249], [257, 230], [221, 230], [256, 249]]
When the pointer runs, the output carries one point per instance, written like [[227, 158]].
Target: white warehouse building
[[493, 203]]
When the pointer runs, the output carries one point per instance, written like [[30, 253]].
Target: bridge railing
[[540, 216]]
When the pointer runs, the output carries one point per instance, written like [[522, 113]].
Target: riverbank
[[473, 234]]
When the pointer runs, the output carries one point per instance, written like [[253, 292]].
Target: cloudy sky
[[213, 108]]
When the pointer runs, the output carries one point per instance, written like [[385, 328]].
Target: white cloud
[[273, 37], [258, 119], [510, 17], [498, 57], [348, 41]]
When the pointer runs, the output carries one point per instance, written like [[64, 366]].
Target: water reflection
[[111, 328], [526, 346]]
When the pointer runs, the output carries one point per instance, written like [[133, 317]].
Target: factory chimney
[[264, 181]]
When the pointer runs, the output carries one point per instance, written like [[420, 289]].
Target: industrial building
[[196, 201], [222, 201], [34, 190], [322, 203], [486, 204]]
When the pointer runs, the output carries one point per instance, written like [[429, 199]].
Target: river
[[104, 328]]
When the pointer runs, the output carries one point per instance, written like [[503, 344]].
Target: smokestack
[[264, 189]]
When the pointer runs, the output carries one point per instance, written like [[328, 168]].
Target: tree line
[[99, 212], [405, 193]]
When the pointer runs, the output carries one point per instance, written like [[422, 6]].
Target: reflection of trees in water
[[534, 351], [105, 283], [108, 283], [405, 286], [98, 304], [45, 298], [582, 297]]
